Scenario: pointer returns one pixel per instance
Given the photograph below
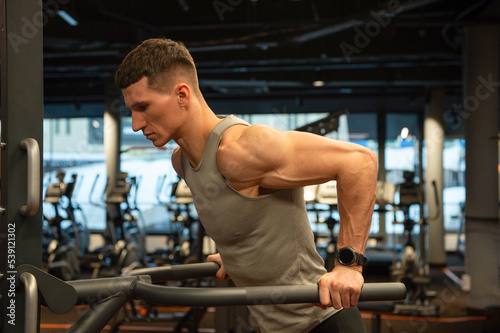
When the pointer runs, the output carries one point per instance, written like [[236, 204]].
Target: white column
[[112, 137], [434, 143]]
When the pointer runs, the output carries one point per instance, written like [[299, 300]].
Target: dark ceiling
[[262, 56]]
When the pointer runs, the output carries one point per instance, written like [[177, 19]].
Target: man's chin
[[157, 144]]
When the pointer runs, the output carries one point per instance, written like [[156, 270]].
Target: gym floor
[[445, 282]]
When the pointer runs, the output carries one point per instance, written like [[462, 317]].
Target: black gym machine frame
[[106, 296]]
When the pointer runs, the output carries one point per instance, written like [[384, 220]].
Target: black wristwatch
[[347, 256]]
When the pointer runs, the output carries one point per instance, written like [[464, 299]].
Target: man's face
[[153, 112]]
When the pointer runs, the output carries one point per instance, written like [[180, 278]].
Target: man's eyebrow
[[136, 104]]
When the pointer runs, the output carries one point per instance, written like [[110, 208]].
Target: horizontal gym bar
[[183, 296]]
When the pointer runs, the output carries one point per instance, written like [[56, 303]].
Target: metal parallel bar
[[140, 287], [115, 292], [31, 302], [390, 291]]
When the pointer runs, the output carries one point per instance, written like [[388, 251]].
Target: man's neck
[[195, 135]]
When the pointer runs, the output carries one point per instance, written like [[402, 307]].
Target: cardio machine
[[65, 240], [124, 238]]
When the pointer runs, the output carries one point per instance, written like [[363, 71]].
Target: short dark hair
[[160, 60]]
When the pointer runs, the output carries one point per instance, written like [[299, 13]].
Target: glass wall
[[74, 146]]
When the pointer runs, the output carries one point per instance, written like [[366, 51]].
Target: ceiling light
[[318, 83], [67, 17]]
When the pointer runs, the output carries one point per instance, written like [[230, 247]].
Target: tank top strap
[[215, 137], [227, 122]]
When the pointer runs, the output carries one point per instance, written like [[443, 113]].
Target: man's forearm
[[356, 193], [354, 229]]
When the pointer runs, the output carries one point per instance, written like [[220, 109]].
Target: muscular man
[[247, 188]]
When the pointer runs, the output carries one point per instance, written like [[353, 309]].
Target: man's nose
[[138, 122]]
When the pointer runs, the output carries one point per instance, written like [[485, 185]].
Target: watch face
[[346, 256]]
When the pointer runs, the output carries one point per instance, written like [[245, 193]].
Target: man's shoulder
[[246, 145], [251, 134], [239, 139]]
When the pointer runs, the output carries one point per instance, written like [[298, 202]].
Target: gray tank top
[[263, 241]]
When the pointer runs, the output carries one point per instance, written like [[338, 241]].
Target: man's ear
[[183, 94]]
